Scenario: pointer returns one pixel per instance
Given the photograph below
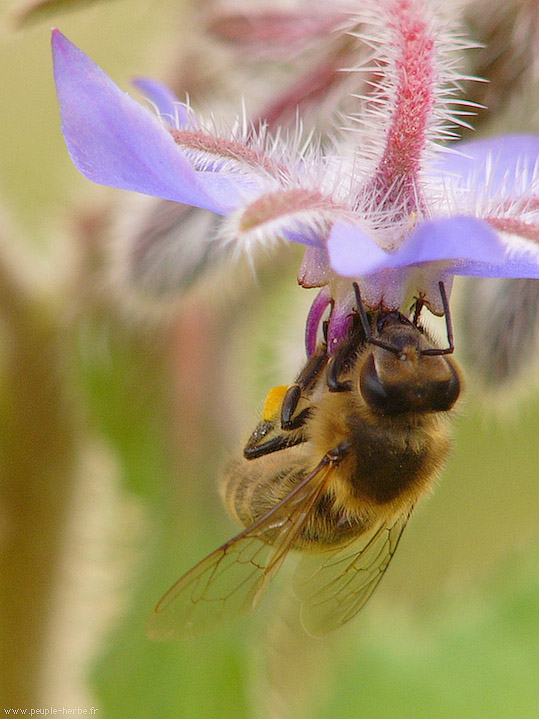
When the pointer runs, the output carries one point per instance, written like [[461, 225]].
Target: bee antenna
[[325, 323], [362, 313], [367, 327], [448, 325]]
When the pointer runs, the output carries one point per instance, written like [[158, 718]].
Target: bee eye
[[445, 393], [372, 390], [420, 394]]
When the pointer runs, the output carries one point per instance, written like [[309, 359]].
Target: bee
[[333, 469]]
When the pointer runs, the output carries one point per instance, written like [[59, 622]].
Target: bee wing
[[232, 579], [335, 584]]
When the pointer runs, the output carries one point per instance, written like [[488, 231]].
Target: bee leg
[[275, 444], [287, 421], [336, 455], [367, 331], [448, 326], [325, 329], [343, 358], [305, 380], [359, 334], [336, 369]]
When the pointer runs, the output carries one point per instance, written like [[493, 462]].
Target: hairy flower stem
[[395, 179]]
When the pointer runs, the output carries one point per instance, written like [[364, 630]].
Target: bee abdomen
[[250, 489]]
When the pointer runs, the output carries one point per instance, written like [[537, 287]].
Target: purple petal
[[521, 261], [507, 164], [462, 239], [351, 251], [115, 141], [227, 189], [465, 246], [165, 100], [305, 234]]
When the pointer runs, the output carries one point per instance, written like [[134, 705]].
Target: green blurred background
[[113, 431]]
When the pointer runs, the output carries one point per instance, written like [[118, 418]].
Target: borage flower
[[386, 205]]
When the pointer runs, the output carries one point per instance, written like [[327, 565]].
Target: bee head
[[403, 373]]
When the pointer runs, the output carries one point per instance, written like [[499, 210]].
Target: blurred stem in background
[[40, 436]]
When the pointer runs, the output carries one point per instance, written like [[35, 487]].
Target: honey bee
[[333, 469]]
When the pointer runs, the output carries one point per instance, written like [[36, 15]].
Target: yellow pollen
[[412, 221], [273, 402]]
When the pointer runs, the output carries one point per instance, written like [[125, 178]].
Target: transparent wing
[[333, 585], [231, 579]]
